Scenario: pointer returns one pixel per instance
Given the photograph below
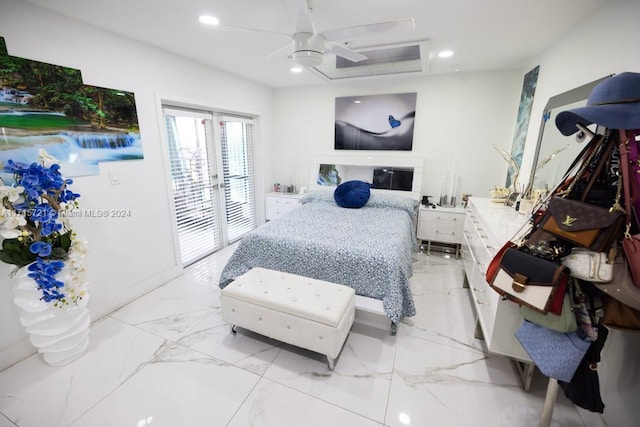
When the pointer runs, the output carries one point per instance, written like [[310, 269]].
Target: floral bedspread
[[369, 249]]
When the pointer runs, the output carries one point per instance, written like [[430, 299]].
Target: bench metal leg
[[233, 329], [394, 328], [525, 373], [332, 363]]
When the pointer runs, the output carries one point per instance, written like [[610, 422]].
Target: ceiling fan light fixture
[[308, 49], [308, 58]]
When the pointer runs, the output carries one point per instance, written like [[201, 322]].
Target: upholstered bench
[[308, 313]]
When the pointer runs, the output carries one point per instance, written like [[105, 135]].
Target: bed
[[369, 249]]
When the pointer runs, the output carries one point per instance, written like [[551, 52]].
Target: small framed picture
[[511, 199]]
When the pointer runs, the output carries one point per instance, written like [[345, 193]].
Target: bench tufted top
[[312, 299]]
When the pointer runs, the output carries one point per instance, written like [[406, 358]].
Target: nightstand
[[276, 204], [441, 224]]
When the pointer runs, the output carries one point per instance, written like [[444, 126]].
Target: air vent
[[403, 58]]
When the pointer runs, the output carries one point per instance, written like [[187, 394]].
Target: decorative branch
[[510, 160], [547, 159], [512, 164]]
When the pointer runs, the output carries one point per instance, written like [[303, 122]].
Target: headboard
[[398, 175]]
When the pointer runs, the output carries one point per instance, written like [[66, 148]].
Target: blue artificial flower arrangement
[[35, 230]]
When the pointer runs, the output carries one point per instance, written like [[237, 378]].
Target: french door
[[212, 179]]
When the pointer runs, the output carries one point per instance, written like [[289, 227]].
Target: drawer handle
[[481, 302], [483, 236], [479, 290]]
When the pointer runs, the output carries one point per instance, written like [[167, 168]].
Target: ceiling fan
[[309, 46]]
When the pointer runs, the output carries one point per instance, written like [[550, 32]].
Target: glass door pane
[[194, 180], [236, 135]]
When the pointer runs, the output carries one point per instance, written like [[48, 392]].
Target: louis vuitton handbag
[[586, 224], [583, 224]]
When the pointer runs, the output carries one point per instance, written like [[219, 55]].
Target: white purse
[[589, 265]]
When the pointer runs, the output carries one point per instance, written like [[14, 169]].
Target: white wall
[[457, 117], [128, 257]]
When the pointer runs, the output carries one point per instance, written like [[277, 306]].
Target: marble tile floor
[[168, 360]]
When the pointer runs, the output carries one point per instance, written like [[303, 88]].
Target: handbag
[[589, 265], [565, 322], [630, 243], [584, 388], [619, 316], [589, 225], [528, 280], [634, 169], [583, 224], [556, 354], [621, 286]]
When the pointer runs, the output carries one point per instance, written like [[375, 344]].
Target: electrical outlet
[[114, 178]]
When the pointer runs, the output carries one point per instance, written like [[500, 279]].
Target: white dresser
[[276, 204], [441, 224], [487, 227]]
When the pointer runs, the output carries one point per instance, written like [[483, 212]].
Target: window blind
[[194, 194], [237, 162]]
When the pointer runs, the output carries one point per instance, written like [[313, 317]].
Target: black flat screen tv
[[393, 178]]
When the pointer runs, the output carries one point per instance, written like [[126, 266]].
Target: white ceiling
[[484, 34]]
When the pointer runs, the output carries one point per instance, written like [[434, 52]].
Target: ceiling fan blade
[[304, 24], [344, 52], [251, 30], [369, 29], [279, 51]]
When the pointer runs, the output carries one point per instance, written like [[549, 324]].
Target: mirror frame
[[565, 98]]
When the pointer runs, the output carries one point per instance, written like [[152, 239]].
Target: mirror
[[554, 151], [386, 178]]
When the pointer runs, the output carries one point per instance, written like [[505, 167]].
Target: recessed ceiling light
[[357, 101], [445, 54], [208, 20], [296, 69]]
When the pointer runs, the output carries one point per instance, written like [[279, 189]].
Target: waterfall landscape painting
[[46, 106]]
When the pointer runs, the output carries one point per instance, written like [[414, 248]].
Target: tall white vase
[[61, 335]]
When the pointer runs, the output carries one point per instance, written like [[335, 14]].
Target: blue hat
[[613, 103]]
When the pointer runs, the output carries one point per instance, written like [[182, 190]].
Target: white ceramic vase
[[61, 334]]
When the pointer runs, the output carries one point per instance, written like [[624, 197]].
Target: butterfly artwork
[[393, 122]]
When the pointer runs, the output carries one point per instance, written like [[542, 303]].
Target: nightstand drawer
[[439, 232], [440, 225], [276, 204]]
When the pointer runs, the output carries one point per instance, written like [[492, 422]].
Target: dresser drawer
[[485, 231]]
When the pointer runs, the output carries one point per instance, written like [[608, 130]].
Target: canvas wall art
[[375, 122], [46, 106], [522, 123]]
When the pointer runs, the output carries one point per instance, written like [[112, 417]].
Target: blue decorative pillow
[[352, 194]]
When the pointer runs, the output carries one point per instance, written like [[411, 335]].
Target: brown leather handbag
[[583, 224], [620, 316]]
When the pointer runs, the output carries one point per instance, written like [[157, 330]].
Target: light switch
[[114, 178]]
